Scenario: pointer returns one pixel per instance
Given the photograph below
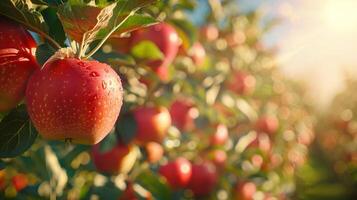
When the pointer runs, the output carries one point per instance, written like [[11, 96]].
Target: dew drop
[[94, 74], [104, 85], [81, 64]]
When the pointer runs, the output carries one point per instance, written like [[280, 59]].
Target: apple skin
[[19, 181], [180, 116], [152, 124], [203, 179], [119, 159], [209, 32], [177, 173], [76, 100], [154, 152], [267, 124], [17, 62], [242, 83], [245, 191], [165, 37], [220, 136]]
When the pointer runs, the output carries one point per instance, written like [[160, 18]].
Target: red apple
[[180, 115], [128, 193], [177, 173], [220, 136], [154, 152], [267, 124], [17, 62], [75, 100], [152, 124], [19, 181], [119, 159], [209, 32], [242, 83], [245, 191], [218, 157], [165, 37], [203, 179]]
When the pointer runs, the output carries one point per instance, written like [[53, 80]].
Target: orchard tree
[[134, 99]]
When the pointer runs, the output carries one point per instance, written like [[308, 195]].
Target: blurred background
[[268, 104], [315, 42]]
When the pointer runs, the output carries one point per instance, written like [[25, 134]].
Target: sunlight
[[340, 15]]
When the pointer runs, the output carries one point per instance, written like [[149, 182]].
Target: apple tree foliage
[[264, 154]]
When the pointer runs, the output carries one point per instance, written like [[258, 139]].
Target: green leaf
[[147, 50], [79, 19], [155, 185], [43, 53], [24, 12], [126, 128], [17, 133], [134, 22], [186, 30], [55, 27]]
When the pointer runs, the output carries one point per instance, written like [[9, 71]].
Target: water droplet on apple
[[94, 74], [81, 64], [104, 85]]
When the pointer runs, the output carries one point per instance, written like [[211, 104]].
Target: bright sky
[[317, 42]]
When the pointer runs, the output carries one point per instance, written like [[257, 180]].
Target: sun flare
[[340, 15]]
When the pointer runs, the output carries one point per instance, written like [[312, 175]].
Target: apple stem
[[92, 52], [80, 50]]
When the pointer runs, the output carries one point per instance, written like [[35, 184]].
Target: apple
[[74, 100], [17, 62], [267, 124], [154, 152], [180, 114], [245, 190], [177, 173], [242, 83], [218, 158], [120, 159], [165, 37], [152, 124], [220, 136], [203, 179], [20, 181]]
